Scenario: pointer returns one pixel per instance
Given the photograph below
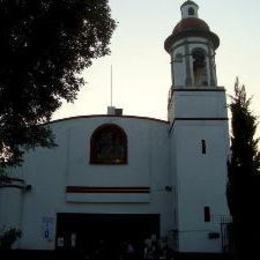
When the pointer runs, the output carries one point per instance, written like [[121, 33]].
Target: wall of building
[[10, 207], [196, 116], [50, 171], [201, 182], [199, 104], [11, 201]]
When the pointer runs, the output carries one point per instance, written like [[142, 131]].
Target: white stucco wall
[[199, 104], [49, 171], [200, 179], [201, 182], [156, 158], [10, 208]]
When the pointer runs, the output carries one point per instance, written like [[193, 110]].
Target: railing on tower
[[226, 233], [225, 222]]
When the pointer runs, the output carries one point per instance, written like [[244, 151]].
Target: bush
[[8, 237]]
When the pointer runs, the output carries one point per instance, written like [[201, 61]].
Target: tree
[[243, 172], [44, 46], [8, 237]]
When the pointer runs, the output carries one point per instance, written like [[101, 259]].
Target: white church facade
[[127, 177]]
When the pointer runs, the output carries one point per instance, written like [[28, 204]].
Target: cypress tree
[[243, 174]]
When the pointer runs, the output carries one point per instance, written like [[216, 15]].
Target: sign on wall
[[47, 228]]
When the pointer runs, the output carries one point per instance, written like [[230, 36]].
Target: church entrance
[[88, 233]]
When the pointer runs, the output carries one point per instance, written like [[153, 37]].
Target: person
[[155, 250], [99, 253], [149, 248], [148, 252], [130, 251], [169, 253]]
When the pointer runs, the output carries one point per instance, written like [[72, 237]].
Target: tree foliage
[[243, 176], [8, 237], [44, 45]]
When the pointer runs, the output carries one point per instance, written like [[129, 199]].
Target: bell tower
[[197, 113], [192, 49]]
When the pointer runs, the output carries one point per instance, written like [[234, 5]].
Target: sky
[[141, 66]]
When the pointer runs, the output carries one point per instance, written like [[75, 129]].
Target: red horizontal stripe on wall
[[83, 189]]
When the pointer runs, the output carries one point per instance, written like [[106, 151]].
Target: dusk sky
[[141, 66]]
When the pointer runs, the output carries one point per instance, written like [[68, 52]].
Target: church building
[[116, 177]]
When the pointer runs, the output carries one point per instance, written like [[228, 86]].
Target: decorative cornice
[[200, 119], [196, 119], [198, 90]]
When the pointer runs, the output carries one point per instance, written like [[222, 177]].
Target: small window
[[207, 214], [203, 147], [108, 145], [191, 11]]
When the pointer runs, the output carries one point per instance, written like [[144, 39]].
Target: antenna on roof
[[111, 86], [113, 110]]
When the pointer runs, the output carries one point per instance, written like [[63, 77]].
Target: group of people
[[155, 250], [151, 249], [112, 250]]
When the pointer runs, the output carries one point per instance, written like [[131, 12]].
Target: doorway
[[84, 233]]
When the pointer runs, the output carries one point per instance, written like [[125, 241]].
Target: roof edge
[[105, 115]]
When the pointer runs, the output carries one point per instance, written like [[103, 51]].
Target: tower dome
[[191, 26]]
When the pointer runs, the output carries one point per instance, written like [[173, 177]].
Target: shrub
[[8, 237]]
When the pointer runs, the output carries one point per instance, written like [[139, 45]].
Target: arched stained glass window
[[108, 145]]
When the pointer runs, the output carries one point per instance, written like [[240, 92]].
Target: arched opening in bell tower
[[200, 74], [191, 11]]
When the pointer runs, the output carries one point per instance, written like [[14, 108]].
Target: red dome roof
[[191, 27], [190, 24]]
